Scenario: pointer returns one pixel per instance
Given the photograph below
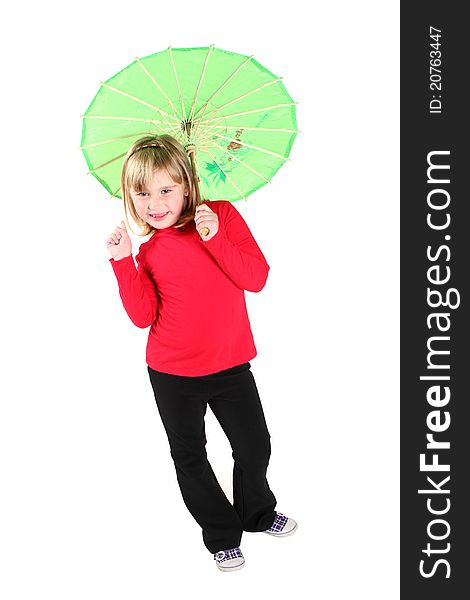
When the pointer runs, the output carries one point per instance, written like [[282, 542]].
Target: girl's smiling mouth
[[158, 216]]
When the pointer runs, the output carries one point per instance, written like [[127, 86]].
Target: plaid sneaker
[[282, 526], [229, 560]]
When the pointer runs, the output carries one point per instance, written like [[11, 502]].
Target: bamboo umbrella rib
[[253, 147], [200, 80], [267, 84], [250, 128], [248, 112], [119, 137], [177, 82], [116, 192], [161, 90], [204, 106], [129, 119], [175, 129], [244, 163], [202, 130], [205, 139], [207, 135], [227, 175], [200, 141], [162, 112], [107, 163], [174, 126]]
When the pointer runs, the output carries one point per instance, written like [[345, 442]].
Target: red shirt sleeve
[[137, 290], [236, 251]]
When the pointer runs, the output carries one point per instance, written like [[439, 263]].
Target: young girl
[[188, 286]]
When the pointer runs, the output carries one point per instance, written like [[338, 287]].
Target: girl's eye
[[141, 193], [166, 190]]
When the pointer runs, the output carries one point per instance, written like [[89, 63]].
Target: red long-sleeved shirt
[[191, 293]]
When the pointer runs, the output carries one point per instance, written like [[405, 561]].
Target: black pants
[[233, 398]]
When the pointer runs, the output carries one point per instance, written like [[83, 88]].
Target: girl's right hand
[[119, 243]]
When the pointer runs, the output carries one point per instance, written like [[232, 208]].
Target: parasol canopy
[[233, 116]]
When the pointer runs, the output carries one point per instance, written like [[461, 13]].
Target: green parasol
[[234, 118]]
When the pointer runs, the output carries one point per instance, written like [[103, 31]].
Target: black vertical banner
[[435, 301]]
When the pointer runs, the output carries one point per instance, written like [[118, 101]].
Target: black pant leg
[[237, 406], [182, 403]]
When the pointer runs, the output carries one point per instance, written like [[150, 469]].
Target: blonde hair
[[143, 158]]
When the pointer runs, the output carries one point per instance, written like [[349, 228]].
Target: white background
[[90, 505]]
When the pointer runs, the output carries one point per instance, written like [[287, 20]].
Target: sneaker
[[282, 526], [229, 560]]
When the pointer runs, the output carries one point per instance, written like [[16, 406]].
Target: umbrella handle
[[191, 150]]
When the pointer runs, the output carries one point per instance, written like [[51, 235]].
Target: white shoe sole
[[231, 568]]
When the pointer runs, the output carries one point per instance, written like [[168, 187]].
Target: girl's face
[[161, 203]]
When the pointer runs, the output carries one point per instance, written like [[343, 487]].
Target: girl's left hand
[[205, 217]]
